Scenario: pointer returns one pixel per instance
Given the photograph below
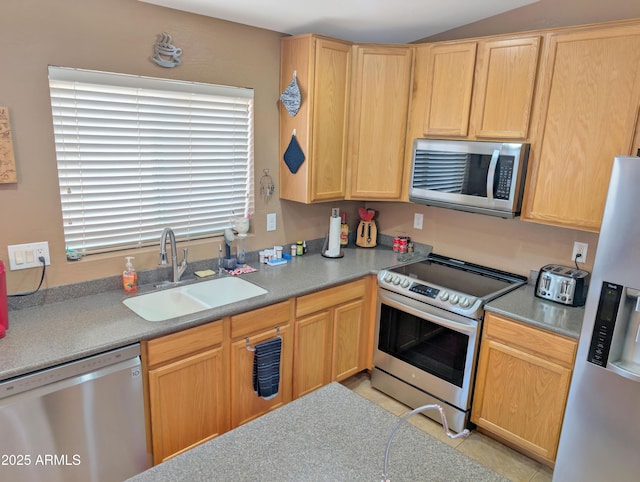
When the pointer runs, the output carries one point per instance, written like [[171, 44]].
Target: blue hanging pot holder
[[293, 156]]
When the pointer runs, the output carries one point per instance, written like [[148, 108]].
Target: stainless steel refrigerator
[[600, 439]]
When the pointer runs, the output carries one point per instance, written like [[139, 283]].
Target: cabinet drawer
[[305, 305], [539, 342], [257, 320], [184, 343]]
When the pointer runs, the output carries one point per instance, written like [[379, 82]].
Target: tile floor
[[503, 460]]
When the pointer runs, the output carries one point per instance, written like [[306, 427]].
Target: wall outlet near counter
[[418, 219], [579, 249], [23, 256]]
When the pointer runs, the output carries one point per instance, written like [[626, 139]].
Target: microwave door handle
[[491, 174]]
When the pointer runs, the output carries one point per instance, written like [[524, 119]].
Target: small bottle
[[294, 250], [129, 277], [304, 247], [299, 248], [344, 231]]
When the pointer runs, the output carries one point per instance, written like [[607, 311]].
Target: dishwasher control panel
[[56, 373]]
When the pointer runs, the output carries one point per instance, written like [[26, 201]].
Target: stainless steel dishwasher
[[81, 421]]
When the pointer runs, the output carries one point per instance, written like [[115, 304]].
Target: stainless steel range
[[428, 326]]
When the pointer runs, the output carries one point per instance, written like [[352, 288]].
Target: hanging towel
[[266, 368], [293, 156], [290, 97]]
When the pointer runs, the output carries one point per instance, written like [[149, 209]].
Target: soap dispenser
[[129, 277]]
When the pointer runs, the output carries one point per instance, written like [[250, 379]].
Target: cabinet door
[[245, 403], [328, 157], [186, 403], [348, 340], [322, 68], [505, 82], [589, 110], [378, 122], [312, 353], [521, 398], [450, 71]]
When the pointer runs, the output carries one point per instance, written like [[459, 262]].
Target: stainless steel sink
[[185, 300]]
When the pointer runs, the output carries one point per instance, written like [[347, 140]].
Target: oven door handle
[[408, 306]]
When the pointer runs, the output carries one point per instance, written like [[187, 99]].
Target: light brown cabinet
[[522, 385], [378, 121], [478, 89], [331, 336], [446, 75], [322, 67], [247, 330], [589, 108], [187, 389]]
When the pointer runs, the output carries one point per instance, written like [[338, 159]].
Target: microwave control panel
[[505, 174]]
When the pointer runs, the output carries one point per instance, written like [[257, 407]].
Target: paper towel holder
[[331, 247], [325, 250]]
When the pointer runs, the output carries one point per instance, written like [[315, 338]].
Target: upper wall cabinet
[[478, 89], [589, 107], [449, 84], [322, 67], [378, 121], [505, 82]]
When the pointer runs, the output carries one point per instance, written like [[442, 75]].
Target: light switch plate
[[418, 219], [271, 222], [24, 256]]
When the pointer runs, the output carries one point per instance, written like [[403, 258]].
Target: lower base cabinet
[[186, 386], [522, 385], [247, 330], [331, 335], [200, 381]]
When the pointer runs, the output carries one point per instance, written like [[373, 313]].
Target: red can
[[400, 244]]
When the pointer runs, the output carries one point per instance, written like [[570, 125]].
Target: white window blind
[[137, 154]]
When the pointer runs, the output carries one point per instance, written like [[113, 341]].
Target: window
[[137, 154]]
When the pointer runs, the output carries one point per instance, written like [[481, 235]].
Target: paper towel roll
[[333, 247]]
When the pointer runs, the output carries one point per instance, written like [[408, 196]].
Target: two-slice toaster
[[562, 284]]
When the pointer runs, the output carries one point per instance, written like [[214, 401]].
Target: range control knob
[[405, 283], [464, 302], [388, 277], [454, 299], [396, 280], [444, 295]]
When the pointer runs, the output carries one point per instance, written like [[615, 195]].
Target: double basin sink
[[187, 299]]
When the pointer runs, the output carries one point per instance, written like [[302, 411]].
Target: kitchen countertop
[[50, 334], [522, 305], [330, 434]]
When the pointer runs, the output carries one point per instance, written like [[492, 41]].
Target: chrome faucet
[[177, 271]]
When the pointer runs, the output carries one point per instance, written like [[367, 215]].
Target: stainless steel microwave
[[475, 176]]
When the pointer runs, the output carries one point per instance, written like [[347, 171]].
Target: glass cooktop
[[461, 276]]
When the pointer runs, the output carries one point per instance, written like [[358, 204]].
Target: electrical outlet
[[418, 218], [581, 249], [24, 256], [335, 212], [271, 222]]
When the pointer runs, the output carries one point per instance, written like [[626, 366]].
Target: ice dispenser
[[615, 343]]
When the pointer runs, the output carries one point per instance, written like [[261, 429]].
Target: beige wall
[[545, 14], [507, 244], [119, 35]]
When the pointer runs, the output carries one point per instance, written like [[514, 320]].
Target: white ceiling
[[389, 21]]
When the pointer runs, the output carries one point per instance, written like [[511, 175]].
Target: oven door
[[424, 346]]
